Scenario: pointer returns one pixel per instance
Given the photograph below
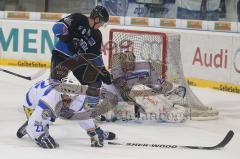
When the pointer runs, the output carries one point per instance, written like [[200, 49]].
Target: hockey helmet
[[101, 13], [69, 87]]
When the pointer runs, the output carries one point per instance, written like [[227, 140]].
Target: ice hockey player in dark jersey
[[79, 50]]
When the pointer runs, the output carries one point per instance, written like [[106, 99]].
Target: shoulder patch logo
[[46, 114], [68, 21]]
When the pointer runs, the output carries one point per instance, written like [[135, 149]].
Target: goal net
[[164, 50]]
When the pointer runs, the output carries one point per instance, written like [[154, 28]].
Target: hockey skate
[[22, 130], [105, 135], [96, 140]]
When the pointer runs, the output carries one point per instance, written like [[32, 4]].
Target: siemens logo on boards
[[24, 40]]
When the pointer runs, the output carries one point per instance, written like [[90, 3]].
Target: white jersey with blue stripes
[[40, 89], [43, 98]]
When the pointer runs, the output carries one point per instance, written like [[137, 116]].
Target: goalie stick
[[36, 75], [222, 144]]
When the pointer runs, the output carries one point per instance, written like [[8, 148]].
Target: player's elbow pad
[[61, 31]]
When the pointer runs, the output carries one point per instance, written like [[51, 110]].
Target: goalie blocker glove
[[46, 141]]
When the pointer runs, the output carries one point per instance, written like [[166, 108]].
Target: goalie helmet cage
[[165, 49]]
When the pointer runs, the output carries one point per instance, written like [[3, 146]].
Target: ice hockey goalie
[[141, 87]]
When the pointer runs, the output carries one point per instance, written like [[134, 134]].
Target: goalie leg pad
[[176, 95], [175, 114]]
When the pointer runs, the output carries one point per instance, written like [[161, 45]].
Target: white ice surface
[[74, 143]]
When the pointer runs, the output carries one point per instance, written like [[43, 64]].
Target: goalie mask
[[127, 60]]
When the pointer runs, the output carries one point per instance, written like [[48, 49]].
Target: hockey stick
[[222, 144], [36, 75], [136, 105], [89, 63]]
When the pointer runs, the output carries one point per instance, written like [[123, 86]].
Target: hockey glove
[[64, 38], [109, 135], [62, 32], [106, 77], [66, 113], [76, 44], [46, 141]]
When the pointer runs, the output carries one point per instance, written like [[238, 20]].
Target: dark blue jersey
[[75, 28]]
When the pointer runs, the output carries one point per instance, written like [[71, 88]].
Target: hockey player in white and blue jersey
[[44, 103]]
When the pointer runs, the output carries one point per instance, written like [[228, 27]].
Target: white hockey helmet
[[69, 86]]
